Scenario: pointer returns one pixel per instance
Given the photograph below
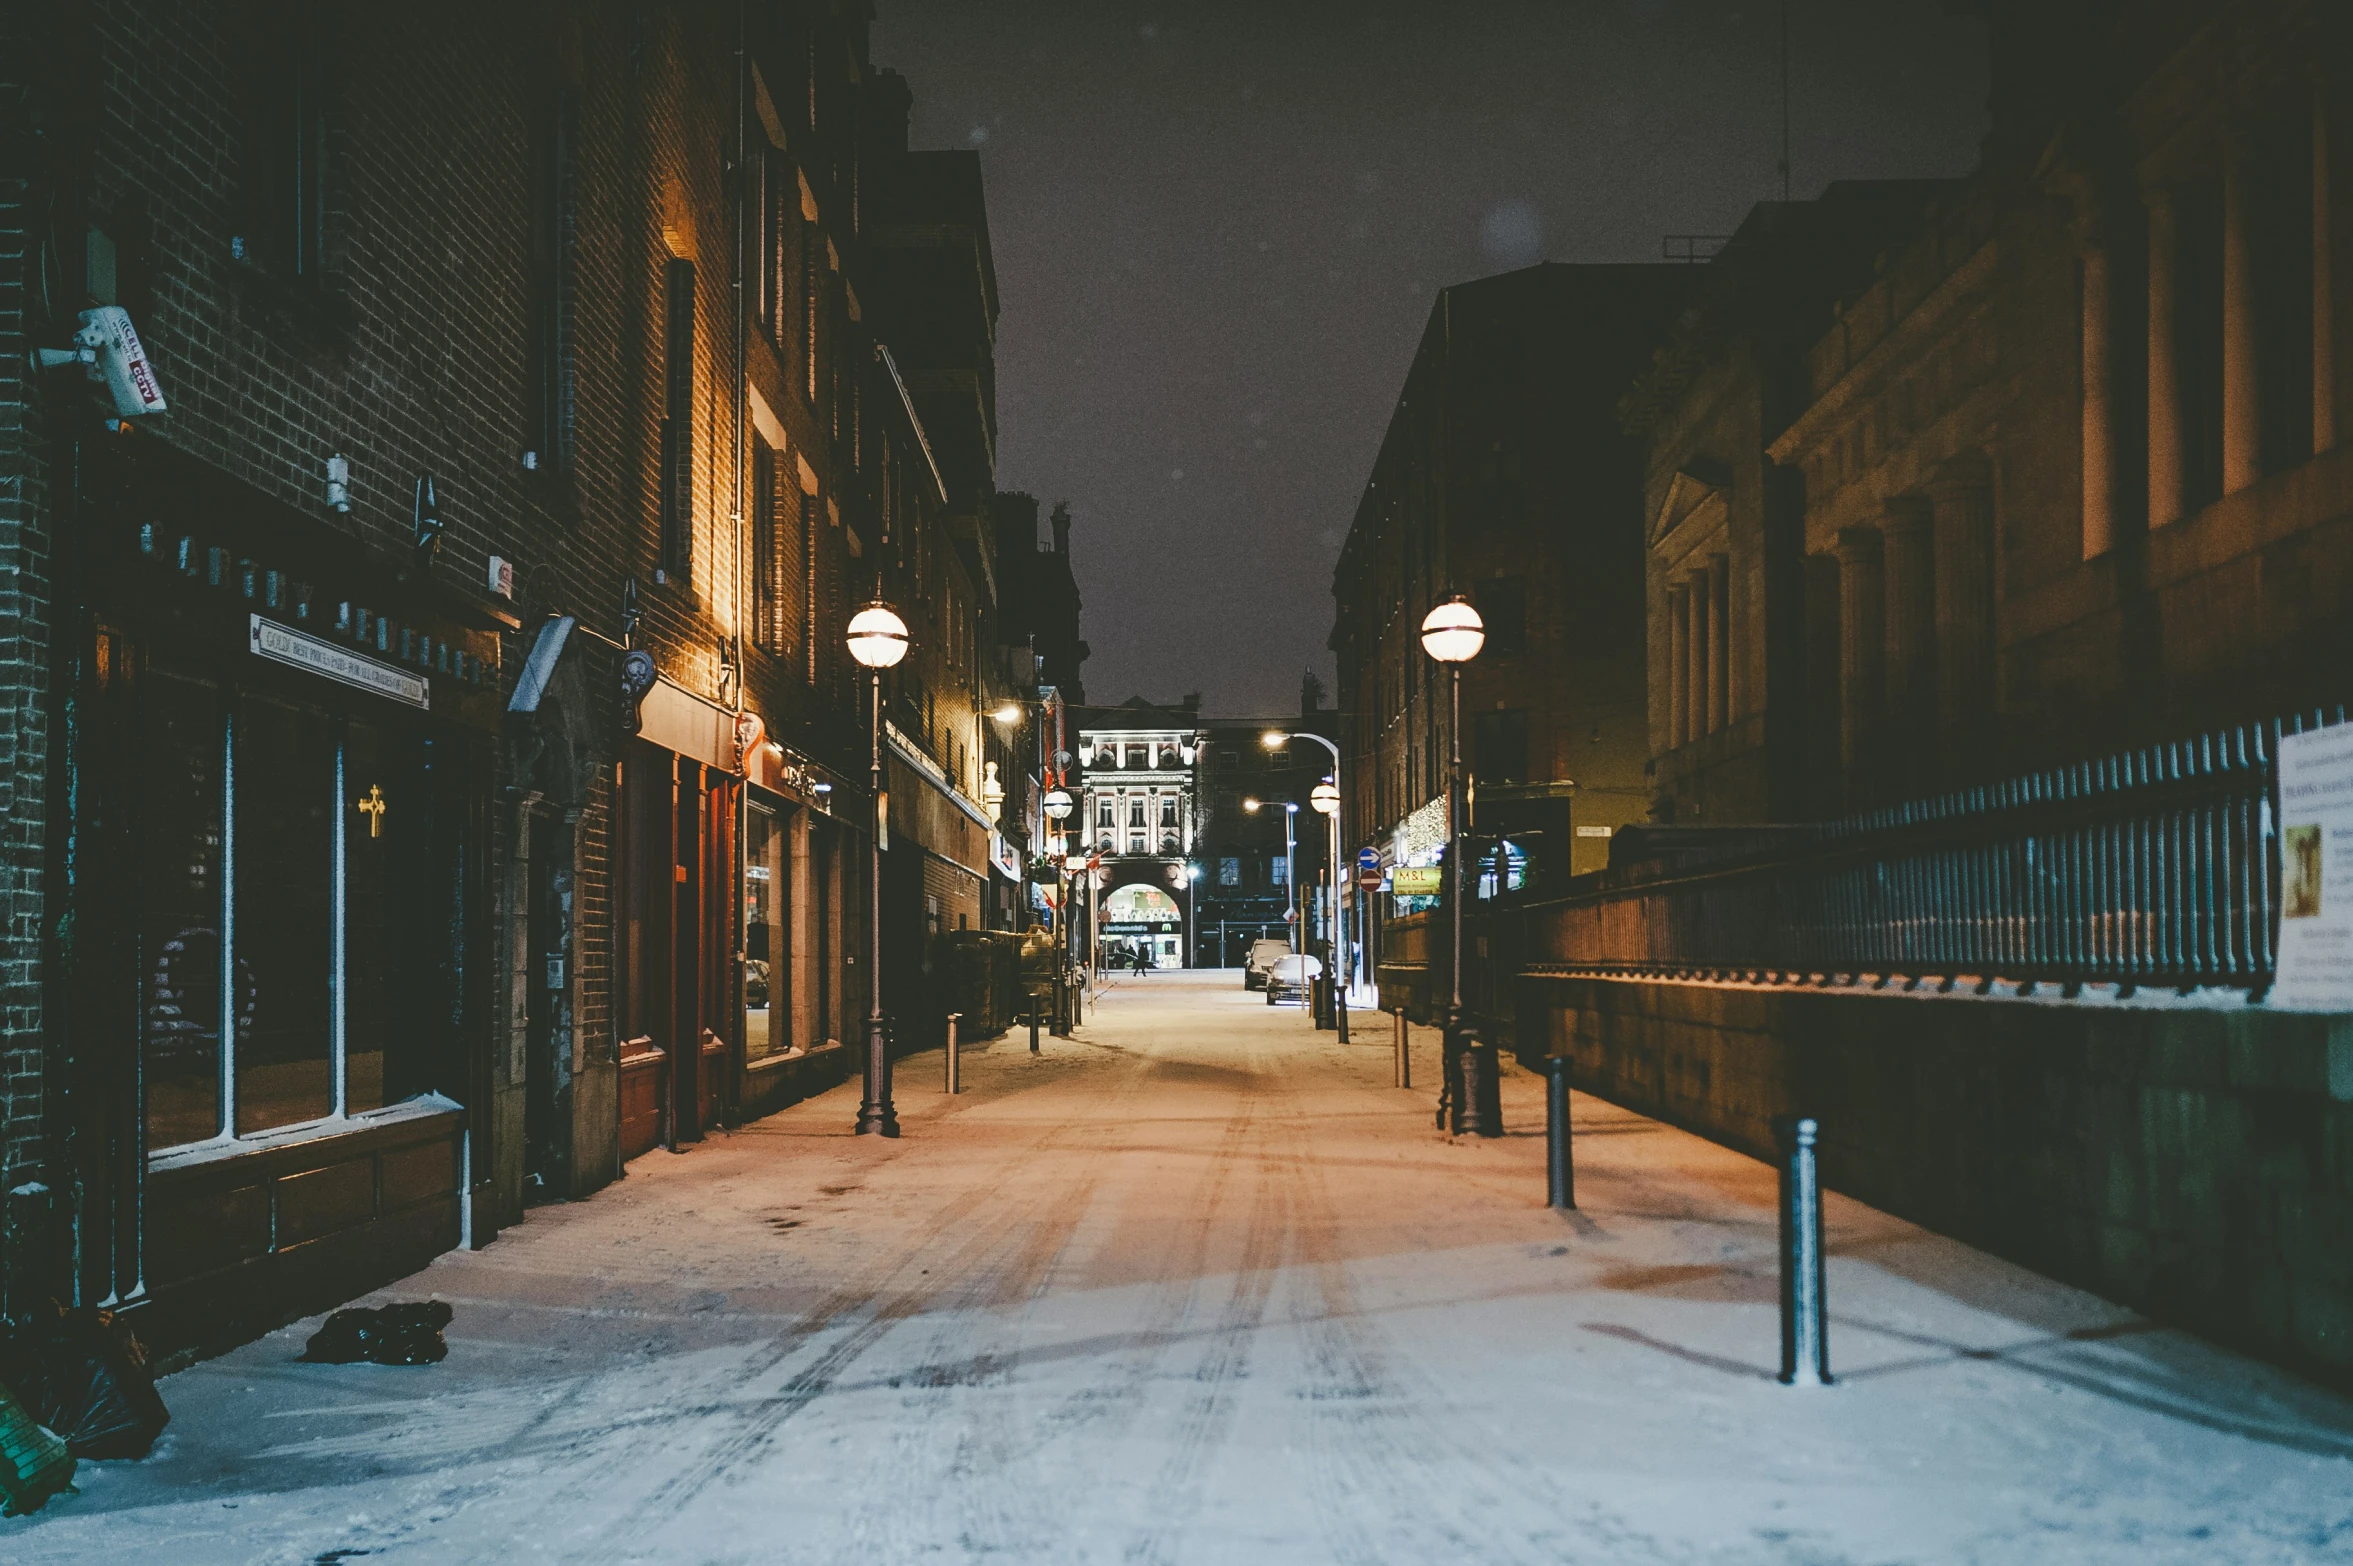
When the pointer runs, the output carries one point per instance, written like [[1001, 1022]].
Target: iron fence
[[2153, 867]]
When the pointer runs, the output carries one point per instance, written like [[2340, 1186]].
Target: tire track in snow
[[1175, 1494], [877, 1309], [977, 1353]]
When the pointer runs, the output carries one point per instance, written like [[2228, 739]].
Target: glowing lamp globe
[[1453, 631], [1056, 803], [878, 637], [1325, 798], [1274, 739]]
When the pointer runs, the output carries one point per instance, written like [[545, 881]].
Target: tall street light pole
[[1290, 881], [1327, 801], [1452, 634], [878, 640]]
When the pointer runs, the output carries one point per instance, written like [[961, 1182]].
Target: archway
[[1143, 924]]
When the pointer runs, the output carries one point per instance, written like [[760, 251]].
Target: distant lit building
[[1139, 816]]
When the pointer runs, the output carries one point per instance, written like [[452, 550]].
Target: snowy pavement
[[1201, 1286]]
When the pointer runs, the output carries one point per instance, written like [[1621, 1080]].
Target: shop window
[[1278, 872], [767, 925], [345, 873], [1229, 872], [180, 911]]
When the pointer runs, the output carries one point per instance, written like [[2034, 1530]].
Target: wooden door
[[645, 899]]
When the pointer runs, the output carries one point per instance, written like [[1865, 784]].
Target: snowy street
[[1201, 1285]]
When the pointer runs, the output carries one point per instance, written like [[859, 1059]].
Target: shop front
[[273, 976], [1142, 928], [935, 867], [796, 870]]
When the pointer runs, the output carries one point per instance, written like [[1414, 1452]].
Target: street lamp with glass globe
[[878, 640], [1452, 634]]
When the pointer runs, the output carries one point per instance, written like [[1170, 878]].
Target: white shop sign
[[283, 644], [2315, 871]]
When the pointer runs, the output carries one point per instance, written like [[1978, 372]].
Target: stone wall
[[2193, 1160]]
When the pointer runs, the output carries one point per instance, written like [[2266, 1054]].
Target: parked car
[[1264, 954], [1290, 977]]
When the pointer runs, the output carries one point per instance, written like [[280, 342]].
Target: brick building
[[408, 729], [1248, 883], [1504, 475]]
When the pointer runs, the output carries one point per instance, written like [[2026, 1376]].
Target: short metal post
[[955, 1057], [1805, 1347], [1404, 1056], [1560, 1174], [1033, 1024]]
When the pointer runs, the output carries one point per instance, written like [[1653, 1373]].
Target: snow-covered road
[[1201, 1286]]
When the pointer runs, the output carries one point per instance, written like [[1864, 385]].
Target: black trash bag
[[83, 1373], [398, 1334]]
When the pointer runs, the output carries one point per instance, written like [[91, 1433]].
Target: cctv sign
[[121, 361]]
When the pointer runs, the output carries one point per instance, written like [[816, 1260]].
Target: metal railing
[[2154, 867]]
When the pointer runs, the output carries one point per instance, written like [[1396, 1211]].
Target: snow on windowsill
[[424, 1106]]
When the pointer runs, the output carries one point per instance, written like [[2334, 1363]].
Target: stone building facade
[[2053, 467], [534, 426]]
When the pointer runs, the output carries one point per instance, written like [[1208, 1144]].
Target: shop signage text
[[283, 644]]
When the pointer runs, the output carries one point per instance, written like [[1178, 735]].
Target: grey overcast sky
[[1220, 226]]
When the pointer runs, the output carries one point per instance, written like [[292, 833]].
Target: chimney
[[891, 103], [1311, 694], [1061, 522]]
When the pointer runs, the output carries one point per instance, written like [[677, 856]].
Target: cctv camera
[[108, 350]]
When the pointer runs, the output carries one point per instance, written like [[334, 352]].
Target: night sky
[[1219, 228]]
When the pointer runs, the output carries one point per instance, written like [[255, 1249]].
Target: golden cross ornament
[[373, 808]]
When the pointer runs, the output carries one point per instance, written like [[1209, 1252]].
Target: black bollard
[[1805, 1347], [1560, 1176], [1033, 1024]]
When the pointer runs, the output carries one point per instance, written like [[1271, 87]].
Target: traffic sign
[[1369, 877], [1368, 859]]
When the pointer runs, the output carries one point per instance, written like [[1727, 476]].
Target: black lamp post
[[1452, 634], [878, 640], [1057, 806]]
